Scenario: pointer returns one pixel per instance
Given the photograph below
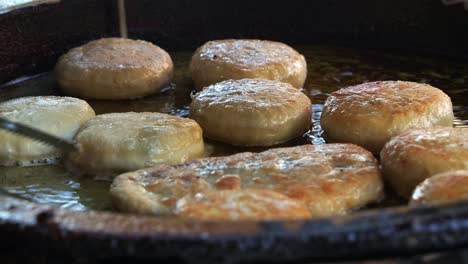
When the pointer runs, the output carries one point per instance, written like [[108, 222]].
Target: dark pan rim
[[37, 229], [373, 233]]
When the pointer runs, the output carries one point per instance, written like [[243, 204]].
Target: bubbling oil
[[329, 69]]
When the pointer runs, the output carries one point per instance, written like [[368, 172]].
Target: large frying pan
[[32, 38]]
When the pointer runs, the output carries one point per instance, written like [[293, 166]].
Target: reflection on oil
[[54, 185], [328, 70]]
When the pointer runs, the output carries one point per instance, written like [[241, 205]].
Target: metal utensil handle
[[36, 134]]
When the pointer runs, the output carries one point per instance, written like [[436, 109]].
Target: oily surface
[[116, 53], [444, 187], [370, 114], [57, 115], [410, 158], [248, 204], [114, 68], [251, 112], [329, 69], [221, 60], [247, 53], [120, 142], [329, 179]]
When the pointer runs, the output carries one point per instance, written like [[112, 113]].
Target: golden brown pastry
[[412, 157], [114, 143], [248, 204], [222, 60], [114, 68], [370, 114], [59, 116], [444, 187], [251, 112], [330, 179]]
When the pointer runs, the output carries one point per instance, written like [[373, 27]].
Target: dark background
[[32, 38]]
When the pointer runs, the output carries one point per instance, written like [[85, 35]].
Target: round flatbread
[[412, 157], [222, 60], [442, 188], [330, 179], [59, 116], [251, 112], [114, 143], [370, 114], [114, 68]]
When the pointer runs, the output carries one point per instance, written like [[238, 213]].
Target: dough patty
[[370, 114], [252, 112], [118, 142], [442, 188], [412, 157], [59, 116], [114, 68], [222, 60], [329, 179]]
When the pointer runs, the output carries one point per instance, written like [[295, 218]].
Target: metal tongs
[[35, 134]]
